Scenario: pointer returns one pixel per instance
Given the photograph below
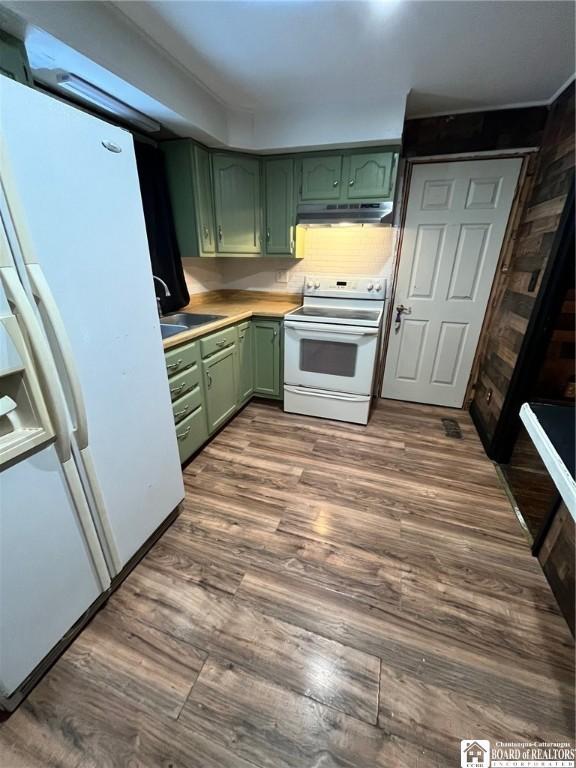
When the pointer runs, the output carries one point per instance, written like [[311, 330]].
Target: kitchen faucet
[[166, 294]]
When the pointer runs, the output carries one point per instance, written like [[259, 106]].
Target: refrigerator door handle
[[16, 294], [43, 295]]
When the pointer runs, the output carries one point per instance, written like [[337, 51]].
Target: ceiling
[[274, 76], [266, 55]]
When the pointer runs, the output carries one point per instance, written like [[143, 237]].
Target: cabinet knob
[[351, 183], [206, 232], [209, 379], [335, 183], [220, 232]]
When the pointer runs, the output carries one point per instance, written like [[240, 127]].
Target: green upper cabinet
[[321, 177], [237, 203], [13, 59], [245, 362], [280, 210], [348, 177], [369, 175], [190, 185], [267, 357]]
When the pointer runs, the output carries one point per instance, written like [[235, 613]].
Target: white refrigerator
[[89, 465]]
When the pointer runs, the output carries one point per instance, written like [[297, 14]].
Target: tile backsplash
[[355, 250]]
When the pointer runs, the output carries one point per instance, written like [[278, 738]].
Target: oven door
[[333, 357]]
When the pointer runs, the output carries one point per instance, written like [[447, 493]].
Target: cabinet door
[[245, 362], [220, 385], [204, 204], [369, 175], [280, 209], [237, 200], [190, 186], [321, 178], [267, 373]]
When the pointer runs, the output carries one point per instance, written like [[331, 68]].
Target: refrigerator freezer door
[[47, 577], [77, 210]]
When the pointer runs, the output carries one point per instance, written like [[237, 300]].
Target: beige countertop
[[236, 306]]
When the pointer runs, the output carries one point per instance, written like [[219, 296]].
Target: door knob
[[400, 310]]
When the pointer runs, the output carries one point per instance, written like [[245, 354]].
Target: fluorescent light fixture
[[93, 95]]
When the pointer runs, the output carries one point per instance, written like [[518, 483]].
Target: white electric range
[[331, 347]]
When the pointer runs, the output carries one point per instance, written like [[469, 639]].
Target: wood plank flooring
[[331, 596]]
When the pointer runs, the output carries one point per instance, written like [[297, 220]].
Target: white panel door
[[455, 223], [75, 201]]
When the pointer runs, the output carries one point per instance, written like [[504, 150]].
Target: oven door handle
[[326, 328], [326, 395]]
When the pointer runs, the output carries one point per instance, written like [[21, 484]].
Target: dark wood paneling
[[552, 179], [474, 132]]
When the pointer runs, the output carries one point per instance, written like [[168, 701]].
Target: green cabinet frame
[[245, 362], [279, 206], [267, 358], [237, 203]]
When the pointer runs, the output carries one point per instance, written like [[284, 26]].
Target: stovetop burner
[[336, 313]]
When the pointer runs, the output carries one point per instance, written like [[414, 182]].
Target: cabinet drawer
[[184, 382], [184, 406], [217, 341], [191, 433], [181, 358]]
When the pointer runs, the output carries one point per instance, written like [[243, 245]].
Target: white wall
[[356, 250], [105, 46]]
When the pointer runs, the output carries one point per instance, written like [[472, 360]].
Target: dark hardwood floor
[[332, 596]]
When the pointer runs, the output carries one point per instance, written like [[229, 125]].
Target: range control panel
[[348, 287]]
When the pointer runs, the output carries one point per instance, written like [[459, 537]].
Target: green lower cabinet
[[267, 358], [191, 433], [245, 362], [220, 386]]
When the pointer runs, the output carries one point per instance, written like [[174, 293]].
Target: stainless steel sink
[[170, 325], [171, 330]]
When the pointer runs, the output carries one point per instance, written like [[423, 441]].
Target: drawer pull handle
[[221, 343], [182, 413], [209, 379], [182, 435], [179, 388], [177, 364]]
